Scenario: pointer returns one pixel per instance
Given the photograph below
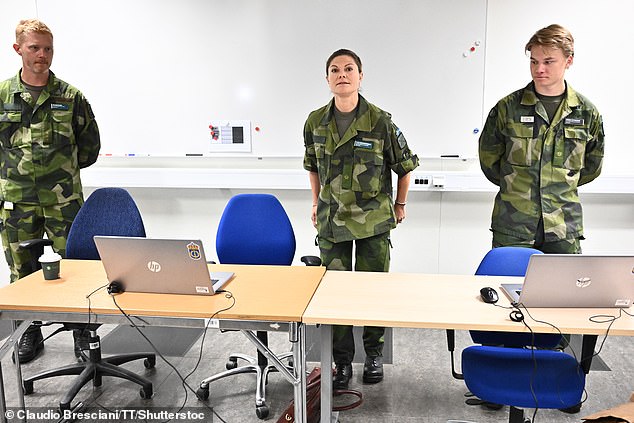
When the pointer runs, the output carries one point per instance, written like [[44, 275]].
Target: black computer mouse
[[489, 295]]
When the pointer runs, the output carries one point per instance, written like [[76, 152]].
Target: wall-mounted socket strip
[[423, 180]]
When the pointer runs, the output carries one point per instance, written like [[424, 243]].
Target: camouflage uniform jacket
[[538, 164], [44, 144], [355, 198]]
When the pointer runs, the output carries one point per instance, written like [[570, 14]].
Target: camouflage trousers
[[371, 255], [562, 246], [24, 221]]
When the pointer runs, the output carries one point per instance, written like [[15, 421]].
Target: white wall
[[445, 232]]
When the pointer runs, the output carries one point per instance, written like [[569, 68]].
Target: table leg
[[12, 344], [326, 379], [18, 369], [587, 352], [298, 342]]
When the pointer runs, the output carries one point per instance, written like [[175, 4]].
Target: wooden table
[[271, 298], [432, 301]]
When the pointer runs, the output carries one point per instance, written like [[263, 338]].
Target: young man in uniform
[[47, 133], [538, 145]]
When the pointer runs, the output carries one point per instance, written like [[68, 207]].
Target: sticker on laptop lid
[[193, 250], [202, 290]]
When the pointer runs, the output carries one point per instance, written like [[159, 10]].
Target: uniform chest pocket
[[319, 143], [62, 125], [570, 149], [521, 148], [9, 124], [367, 166]]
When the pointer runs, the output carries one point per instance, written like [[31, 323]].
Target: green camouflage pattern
[[24, 221], [371, 255], [44, 143], [538, 164], [355, 198], [562, 246]]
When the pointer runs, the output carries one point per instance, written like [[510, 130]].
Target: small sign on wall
[[230, 136]]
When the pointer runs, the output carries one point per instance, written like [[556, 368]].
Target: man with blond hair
[[47, 133], [538, 145]]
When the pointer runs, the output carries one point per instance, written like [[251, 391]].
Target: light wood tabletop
[[443, 302], [275, 293], [437, 301]]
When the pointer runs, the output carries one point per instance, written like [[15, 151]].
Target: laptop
[[575, 280], [162, 266]]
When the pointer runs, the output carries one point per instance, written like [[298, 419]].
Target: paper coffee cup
[[50, 262], [51, 270]]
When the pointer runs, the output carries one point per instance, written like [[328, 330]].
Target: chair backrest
[[523, 378], [255, 229], [510, 261], [107, 211], [506, 261]]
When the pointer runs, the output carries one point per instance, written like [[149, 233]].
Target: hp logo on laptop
[[154, 266], [583, 282]]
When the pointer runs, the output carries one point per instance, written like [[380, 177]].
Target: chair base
[[516, 415], [94, 368], [261, 371]]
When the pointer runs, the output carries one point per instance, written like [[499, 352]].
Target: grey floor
[[418, 387]]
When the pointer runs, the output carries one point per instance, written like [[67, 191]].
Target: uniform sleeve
[[86, 133], [310, 159], [491, 147], [594, 152], [400, 158]]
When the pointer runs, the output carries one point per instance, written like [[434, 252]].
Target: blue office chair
[[504, 261], [108, 211], [510, 261], [527, 378], [254, 229]]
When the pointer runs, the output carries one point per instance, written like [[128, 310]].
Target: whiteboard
[[602, 66], [157, 72]]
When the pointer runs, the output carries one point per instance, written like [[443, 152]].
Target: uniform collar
[[363, 122], [18, 87], [529, 96]]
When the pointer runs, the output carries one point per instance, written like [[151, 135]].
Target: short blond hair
[[553, 36], [27, 26]]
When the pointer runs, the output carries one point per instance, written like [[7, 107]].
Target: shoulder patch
[[402, 142]]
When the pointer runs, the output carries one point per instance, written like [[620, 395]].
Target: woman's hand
[[399, 210]]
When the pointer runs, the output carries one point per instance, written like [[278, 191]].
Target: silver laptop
[[163, 266], [575, 280]]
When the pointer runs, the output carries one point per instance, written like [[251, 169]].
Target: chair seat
[[526, 378]]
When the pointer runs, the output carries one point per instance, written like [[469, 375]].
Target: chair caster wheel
[[231, 364], [149, 363], [146, 393], [262, 411], [27, 387], [203, 393]]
